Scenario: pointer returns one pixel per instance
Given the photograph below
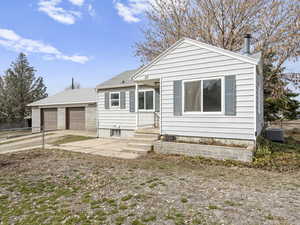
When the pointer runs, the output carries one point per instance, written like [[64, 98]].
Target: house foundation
[[209, 151]]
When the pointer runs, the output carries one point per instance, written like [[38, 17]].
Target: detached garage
[[70, 109], [49, 118], [76, 118]]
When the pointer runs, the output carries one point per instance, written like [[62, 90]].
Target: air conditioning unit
[[275, 134]]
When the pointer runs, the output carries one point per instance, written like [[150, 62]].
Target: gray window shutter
[[106, 100], [123, 100], [177, 95], [132, 101], [157, 100], [230, 95]]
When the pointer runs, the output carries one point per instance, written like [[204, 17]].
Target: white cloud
[[91, 10], [77, 2], [132, 10], [57, 13], [62, 15], [9, 35], [11, 40]]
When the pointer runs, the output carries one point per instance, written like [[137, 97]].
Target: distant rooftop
[[75, 96], [123, 79]]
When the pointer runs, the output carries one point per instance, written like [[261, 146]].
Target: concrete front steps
[[142, 142]]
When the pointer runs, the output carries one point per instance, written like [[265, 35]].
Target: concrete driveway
[[28, 141], [110, 147], [35, 140]]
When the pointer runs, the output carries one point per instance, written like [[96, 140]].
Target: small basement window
[[115, 132], [115, 99]]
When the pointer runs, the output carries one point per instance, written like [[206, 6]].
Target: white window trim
[[110, 99], [153, 93], [201, 106]]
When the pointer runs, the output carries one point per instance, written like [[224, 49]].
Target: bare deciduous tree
[[274, 25]]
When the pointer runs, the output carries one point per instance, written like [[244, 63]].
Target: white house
[[192, 93], [191, 90]]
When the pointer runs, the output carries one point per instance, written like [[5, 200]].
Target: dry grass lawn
[[58, 187]]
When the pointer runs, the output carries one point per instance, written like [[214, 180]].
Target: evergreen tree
[[280, 101], [18, 88], [3, 115]]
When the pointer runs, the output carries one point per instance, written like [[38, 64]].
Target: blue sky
[[90, 40]]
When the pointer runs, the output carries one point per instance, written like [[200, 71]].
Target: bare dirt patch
[[57, 187]]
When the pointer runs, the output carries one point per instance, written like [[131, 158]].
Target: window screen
[[212, 95], [192, 96]]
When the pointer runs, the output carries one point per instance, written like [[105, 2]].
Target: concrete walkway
[[77, 132], [109, 147]]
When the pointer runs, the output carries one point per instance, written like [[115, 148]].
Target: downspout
[[97, 115], [160, 107], [136, 106]]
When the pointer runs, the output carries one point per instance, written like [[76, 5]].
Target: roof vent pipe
[[72, 85], [247, 39]]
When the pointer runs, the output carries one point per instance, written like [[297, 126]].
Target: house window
[[212, 96], [203, 95], [146, 100], [192, 96], [115, 99], [115, 133]]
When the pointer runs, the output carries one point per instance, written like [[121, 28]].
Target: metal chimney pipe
[[72, 86], [247, 39]]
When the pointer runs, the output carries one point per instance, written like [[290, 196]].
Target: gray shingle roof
[[121, 80], [76, 96]]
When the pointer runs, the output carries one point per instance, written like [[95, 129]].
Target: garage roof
[[75, 96], [121, 80]]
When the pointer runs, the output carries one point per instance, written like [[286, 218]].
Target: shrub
[[263, 148], [263, 151]]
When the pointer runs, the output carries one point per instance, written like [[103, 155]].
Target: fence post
[[43, 137]]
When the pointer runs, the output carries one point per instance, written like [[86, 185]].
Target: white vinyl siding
[[188, 62], [120, 118]]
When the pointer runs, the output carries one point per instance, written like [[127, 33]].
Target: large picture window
[[115, 99], [203, 95], [146, 100]]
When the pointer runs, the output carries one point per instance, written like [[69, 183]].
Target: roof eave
[[61, 103], [114, 86]]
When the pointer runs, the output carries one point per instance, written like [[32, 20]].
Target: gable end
[[201, 45]]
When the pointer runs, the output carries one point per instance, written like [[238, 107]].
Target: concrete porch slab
[[110, 147]]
